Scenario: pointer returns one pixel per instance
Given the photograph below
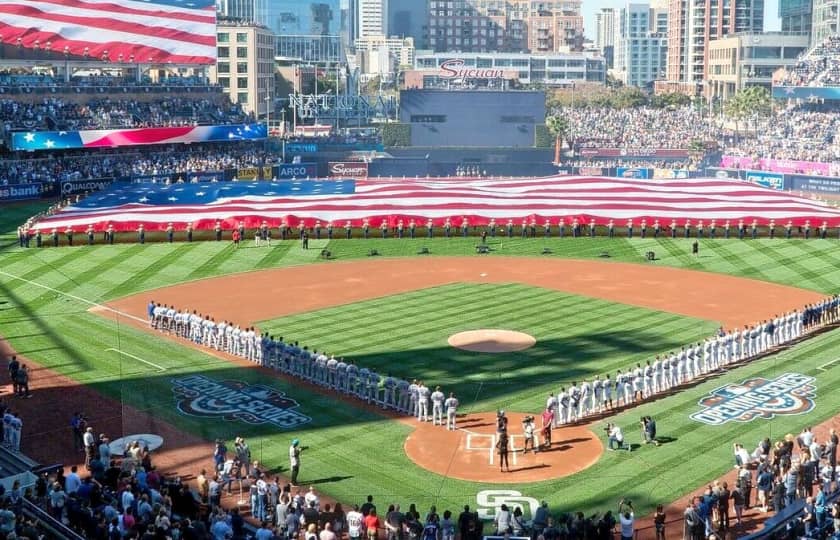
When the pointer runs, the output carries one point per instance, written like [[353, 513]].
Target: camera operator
[[626, 518], [648, 425], [294, 459], [615, 436], [501, 422]]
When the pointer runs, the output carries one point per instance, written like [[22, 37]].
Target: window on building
[[242, 97], [224, 82], [428, 118], [242, 82], [241, 37], [242, 52], [242, 67], [223, 67], [223, 52], [223, 37]]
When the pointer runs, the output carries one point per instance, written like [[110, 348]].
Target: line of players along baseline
[[671, 372]]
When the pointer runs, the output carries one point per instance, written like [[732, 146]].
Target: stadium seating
[[820, 66]]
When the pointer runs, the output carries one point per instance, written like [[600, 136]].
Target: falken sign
[[790, 393], [254, 404]]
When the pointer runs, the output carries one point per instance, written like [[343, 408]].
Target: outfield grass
[[353, 452], [577, 337]]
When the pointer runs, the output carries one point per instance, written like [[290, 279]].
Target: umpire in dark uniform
[[69, 233], [55, 237]]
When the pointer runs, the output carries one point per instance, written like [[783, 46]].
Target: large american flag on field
[[375, 201], [143, 31]]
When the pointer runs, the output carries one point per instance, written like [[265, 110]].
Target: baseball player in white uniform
[[438, 398], [451, 405], [423, 402]]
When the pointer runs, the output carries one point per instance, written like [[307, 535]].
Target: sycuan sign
[[455, 68]]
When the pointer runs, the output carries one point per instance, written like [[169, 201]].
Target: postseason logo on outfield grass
[[255, 404], [790, 393]]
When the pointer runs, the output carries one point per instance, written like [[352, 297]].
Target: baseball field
[[79, 312]]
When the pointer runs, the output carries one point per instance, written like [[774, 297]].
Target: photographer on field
[[626, 518], [528, 432], [294, 459]]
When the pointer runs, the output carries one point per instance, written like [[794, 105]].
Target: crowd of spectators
[[27, 78], [153, 160], [56, 113], [770, 478], [638, 128], [803, 133], [819, 67]]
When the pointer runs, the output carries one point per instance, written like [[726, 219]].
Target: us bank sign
[[758, 397]]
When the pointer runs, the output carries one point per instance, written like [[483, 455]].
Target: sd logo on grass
[[790, 393], [255, 404]]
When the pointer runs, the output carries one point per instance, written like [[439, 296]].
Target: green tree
[[372, 86], [751, 103], [559, 127]]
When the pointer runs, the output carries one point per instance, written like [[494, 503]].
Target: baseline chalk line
[[73, 296], [823, 366], [159, 368]]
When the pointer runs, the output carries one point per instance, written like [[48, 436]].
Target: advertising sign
[[295, 170], [351, 169], [20, 192], [301, 148], [70, 187], [253, 173], [766, 179], [670, 173], [633, 172], [815, 183]]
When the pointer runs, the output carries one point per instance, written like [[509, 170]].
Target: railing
[[51, 525]]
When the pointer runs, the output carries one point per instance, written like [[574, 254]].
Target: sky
[[590, 7]]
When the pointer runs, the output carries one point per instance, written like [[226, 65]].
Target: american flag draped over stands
[[143, 31], [126, 206]]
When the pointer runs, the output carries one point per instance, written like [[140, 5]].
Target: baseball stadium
[[586, 320]]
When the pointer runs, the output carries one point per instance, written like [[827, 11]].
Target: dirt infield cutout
[[492, 341], [469, 453]]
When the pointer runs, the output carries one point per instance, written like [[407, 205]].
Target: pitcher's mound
[[468, 453], [492, 341]]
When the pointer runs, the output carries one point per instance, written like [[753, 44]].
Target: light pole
[[268, 115]]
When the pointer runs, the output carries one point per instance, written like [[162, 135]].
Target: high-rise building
[[825, 19], [245, 65], [255, 11], [605, 34], [693, 23], [409, 18], [796, 15], [537, 26], [371, 18], [641, 51]]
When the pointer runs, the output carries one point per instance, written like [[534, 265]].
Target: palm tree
[[559, 127]]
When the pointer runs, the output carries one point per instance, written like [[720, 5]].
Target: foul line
[[160, 368], [823, 366], [73, 296]]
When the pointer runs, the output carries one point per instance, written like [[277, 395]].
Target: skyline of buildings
[[642, 42], [693, 24]]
